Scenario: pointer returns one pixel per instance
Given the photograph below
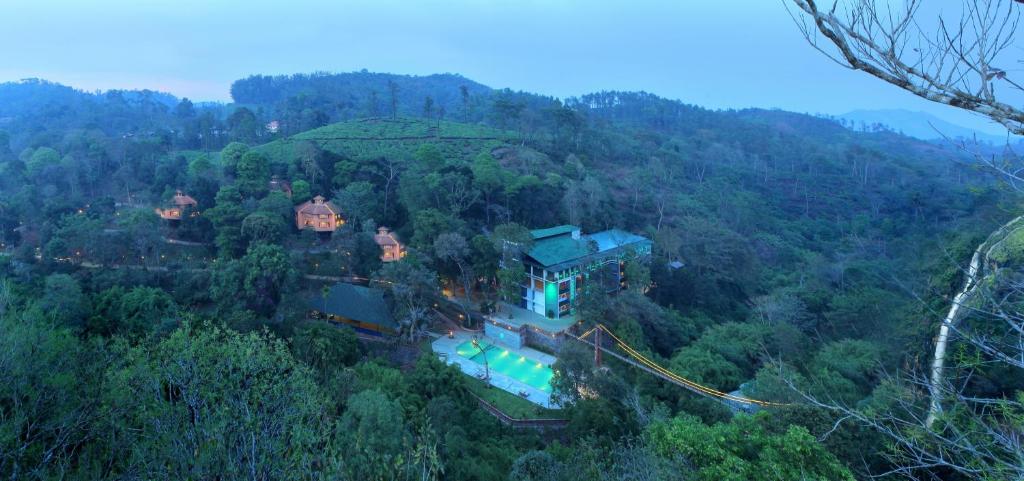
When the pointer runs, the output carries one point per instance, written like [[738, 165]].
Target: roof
[[358, 303], [555, 246], [384, 237], [614, 238], [538, 234], [317, 206], [558, 249], [182, 199]]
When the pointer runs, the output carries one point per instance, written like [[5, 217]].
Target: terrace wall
[[508, 337], [543, 339]]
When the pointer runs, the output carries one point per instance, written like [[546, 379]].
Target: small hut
[[318, 215], [182, 204], [390, 249]]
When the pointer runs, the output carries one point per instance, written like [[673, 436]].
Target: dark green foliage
[[64, 302], [744, 450], [325, 348], [134, 313], [208, 402], [49, 385], [253, 174], [785, 250]]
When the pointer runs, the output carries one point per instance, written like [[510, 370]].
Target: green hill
[[375, 137]]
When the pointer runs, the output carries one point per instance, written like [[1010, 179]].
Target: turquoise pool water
[[518, 367]]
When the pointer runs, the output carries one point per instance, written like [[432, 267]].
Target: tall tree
[[253, 174], [393, 92], [452, 248], [464, 93], [428, 107]]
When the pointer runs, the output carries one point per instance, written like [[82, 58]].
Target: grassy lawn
[[511, 404]]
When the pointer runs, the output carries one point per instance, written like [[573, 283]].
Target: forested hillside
[[791, 256]]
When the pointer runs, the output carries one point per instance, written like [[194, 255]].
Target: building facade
[[391, 249], [563, 262], [319, 215]]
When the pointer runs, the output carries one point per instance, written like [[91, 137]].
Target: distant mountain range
[[919, 125]]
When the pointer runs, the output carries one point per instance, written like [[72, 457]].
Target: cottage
[[362, 308], [181, 205], [390, 249], [319, 215]]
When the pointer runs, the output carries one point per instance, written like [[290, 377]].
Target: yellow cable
[[704, 389]]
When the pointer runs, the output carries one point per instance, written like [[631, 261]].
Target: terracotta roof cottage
[[390, 249], [178, 205], [319, 215]]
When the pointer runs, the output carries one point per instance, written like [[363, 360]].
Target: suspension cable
[[675, 377]]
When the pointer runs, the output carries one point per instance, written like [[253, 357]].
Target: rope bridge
[[638, 360]]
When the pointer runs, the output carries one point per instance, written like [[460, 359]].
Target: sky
[[717, 54]]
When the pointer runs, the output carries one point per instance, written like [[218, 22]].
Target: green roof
[[538, 234], [358, 303], [555, 246], [558, 249]]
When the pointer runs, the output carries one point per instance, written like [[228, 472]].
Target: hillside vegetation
[[376, 137], [791, 256]]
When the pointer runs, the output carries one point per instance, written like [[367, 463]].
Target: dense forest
[[793, 258]]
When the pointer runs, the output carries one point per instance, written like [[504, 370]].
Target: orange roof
[[317, 206], [385, 238], [181, 199]]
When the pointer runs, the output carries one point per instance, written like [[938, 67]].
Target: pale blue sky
[[735, 54]]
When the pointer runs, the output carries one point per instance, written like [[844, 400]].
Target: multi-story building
[[562, 262], [561, 265]]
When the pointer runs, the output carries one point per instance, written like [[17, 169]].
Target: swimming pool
[[516, 366]]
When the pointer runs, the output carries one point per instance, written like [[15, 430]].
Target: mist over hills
[[302, 102], [919, 125]]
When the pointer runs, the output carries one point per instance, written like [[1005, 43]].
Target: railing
[[515, 423]]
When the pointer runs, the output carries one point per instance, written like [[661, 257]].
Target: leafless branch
[[949, 62]]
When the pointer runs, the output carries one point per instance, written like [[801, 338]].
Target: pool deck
[[447, 347], [516, 316]]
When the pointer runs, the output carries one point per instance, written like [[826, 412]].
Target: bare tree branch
[[949, 62]]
